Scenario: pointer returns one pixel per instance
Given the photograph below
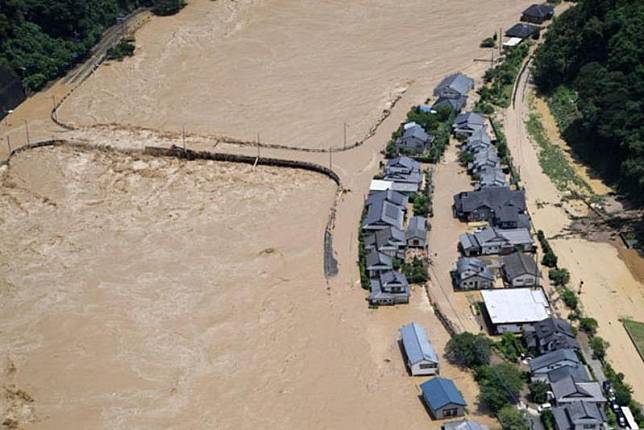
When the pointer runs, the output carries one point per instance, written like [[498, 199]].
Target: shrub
[[598, 345], [588, 325], [549, 259], [548, 420], [570, 299], [416, 271], [500, 385], [465, 157], [513, 419], [539, 392], [167, 7], [421, 205], [510, 347], [125, 48], [559, 277], [469, 350], [488, 42]]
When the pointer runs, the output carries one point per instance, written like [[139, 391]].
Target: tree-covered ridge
[[596, 49], [40, 39]]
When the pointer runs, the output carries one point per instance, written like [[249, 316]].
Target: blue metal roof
[[439, 392], [417, 346]]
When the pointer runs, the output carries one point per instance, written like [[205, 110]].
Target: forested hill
[[40, 39], [592, 66]]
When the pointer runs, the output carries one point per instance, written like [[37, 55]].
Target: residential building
[[491, 177], [442, 398], [393, 197], [454, 86], [377, 262], [496, 241], [414, 140], [383, 214], [472, 274], [541, 366], [523, 31], [538, 13], [577, 373], [482, 205], [484, 159], [566, 390], [416, 234], [455, 104], [390, 241], [520, 270], [401, 164], [389, 288], [420, 354], [467, 123], [464, 425], [508, 310], [548, 335], [579, 416]]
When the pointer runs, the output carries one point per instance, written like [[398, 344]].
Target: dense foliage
[[469, 350], [500, 385], [595, 50], [41, 39], [513, 419]]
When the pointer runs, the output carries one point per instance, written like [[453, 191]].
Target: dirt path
[[610, 291]]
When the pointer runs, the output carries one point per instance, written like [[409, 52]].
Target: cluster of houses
[[576, 399], [388, 232], [440, 395], [529, 27], [501, 245]]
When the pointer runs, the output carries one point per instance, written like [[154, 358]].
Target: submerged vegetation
[[590, 66], [41, 39]]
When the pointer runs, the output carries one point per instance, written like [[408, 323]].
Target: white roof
[[410, 124], [380, 185], [520, 305], [513, 41], [630, 419]]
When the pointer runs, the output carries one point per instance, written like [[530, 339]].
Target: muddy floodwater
[[152, 293], [292, 71]]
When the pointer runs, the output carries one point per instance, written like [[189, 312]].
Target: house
[[442, 398], [389, 241], [495, 241], [541, 366], [454, 86], [508, 310], [377, 262], [467, 123], [481, 205], [479, 140], [548, 335], [455, 104], [491, 177], [403, 165], [538, 13], [383, 214], [523, 31], [579, 416], [414, 140], [520, 270], [415, 177], [420, 354], [389, 288], [566, 390], [578, 374], [416, 234], [483, 159], [472, 274], [508, 217], [464, 425], [390, 196]]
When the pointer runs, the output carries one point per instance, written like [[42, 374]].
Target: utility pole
[[183, 137], [331, 157], [258, 146], [27, 131], [500, 41], [53, 110], [9, 144]]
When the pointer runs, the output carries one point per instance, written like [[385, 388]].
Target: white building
[[421, 357], [509, 309]]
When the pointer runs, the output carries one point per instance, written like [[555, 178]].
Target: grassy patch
[[563, 105], [636, 332], [551, 158]]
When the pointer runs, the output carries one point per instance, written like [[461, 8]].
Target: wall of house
[[441, 413], [417, 369]]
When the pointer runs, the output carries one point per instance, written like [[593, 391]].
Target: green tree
[[588, 325], [549, 259], [559, 277], [500, 385], [570, 299], [468, 350], [598, 345], [510, 346], [539, 392], [511, 418]]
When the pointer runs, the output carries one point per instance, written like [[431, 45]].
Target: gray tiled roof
[[463, 425], [385, 212], [403, 163], [471, 119], [577, 414], [388, 195], [568, 388], [375, 258], [457, 82], [493, 198], [466, 265], [539, 11], [455, 104], [519, 264], [578, 373], [553, 357], [417, 227], [522, 30], [392, 277]]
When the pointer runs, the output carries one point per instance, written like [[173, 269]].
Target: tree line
[[591, 64], [41, 39]]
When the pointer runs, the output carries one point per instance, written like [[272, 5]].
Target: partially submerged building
[[377, 262], [567, 390], [389, 288], [414, 140], [489, 203], [385, 209], [454, 86], [538, 13], [390, 241], [508, 310], [548, 335], [464, 425], [416, 234], [520, 270], [491, 177], [472, 274], [544, 364], [420, 354], [523, 31], [579, 416], [467, 123], [442, 398], [495, 241]]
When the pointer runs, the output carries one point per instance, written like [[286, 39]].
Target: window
[[589, 426], [427, 366], [452, 412]]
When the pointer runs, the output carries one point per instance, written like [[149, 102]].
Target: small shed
[[420, 354], [538, 13], [442, 398]]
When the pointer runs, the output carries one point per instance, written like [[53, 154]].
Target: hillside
[[40, 39], [591, 67]]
